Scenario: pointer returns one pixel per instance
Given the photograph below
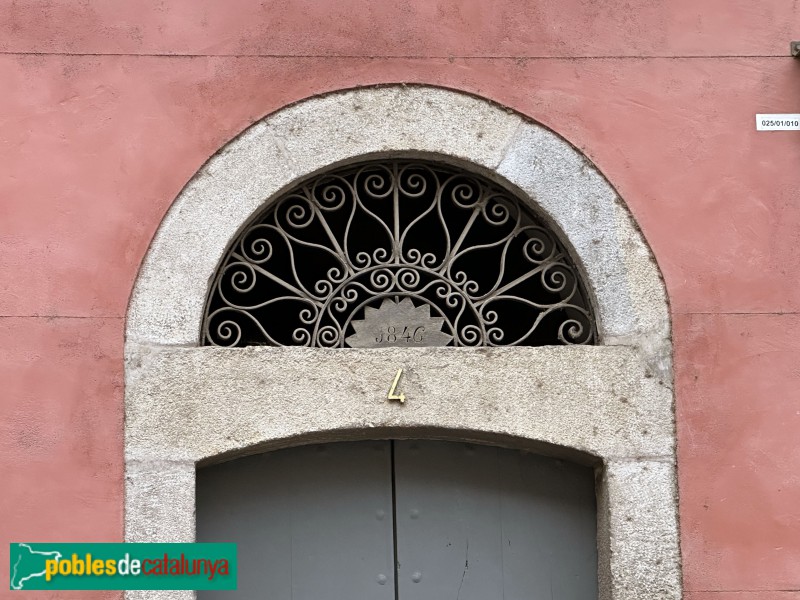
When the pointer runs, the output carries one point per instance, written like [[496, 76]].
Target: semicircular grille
[[397, 253]]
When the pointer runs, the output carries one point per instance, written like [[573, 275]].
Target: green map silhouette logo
[[122, 566], [28, 563]]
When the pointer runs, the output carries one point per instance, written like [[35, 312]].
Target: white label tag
[[778, 122]]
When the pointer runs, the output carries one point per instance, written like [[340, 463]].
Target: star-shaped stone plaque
[[398, 325]]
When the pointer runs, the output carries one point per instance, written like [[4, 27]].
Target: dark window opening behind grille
[[335, 249]]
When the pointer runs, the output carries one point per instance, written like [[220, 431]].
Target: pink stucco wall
[[107, 108]]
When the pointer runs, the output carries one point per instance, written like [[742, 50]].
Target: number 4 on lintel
[[392, 396]]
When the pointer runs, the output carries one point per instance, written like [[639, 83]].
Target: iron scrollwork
[[384, 239]]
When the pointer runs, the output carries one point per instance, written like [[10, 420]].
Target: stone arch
[[609, 404]]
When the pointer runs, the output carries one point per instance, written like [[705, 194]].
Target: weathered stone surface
[[191, 404], [159, 501], [159, 507], [643, 547], [566, 187], [340, 126]]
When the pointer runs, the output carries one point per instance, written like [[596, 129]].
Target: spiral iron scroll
[[309, 265]]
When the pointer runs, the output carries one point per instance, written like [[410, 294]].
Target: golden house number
[[391, 395]]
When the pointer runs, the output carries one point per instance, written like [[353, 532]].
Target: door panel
[[311, 523], [484, 523]]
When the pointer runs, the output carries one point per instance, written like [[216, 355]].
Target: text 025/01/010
[[778, 122]]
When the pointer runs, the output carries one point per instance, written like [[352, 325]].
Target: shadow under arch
[[484, 438]]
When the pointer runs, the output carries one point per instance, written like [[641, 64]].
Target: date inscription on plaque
[[398, 325]]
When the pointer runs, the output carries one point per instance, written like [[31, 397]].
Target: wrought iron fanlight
[[397, 253]]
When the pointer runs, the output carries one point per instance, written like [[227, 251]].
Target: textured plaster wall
[[108, 108]]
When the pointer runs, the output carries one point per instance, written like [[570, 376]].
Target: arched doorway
[[608, 404], [394, 253], [407, 520]]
